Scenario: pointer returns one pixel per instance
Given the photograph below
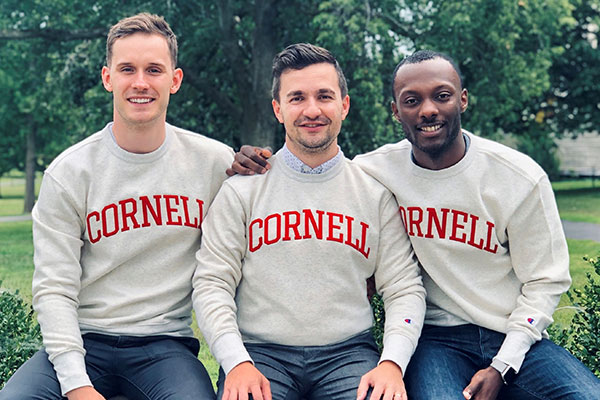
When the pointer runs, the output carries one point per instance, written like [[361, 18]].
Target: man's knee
[[34, 379]]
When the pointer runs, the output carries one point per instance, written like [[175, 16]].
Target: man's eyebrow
[[157, 64], [327, 91], [130, 64], [294, 93], [444, 86]]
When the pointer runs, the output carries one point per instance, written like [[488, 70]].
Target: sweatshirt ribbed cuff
[[514, 348], [398, 349], [229, 351], [70, 371]]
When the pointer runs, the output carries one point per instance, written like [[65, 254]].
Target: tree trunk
[[259, 117], [30, 167]]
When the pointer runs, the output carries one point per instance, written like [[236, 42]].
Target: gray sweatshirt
[[488, 236], [285, 258], [115, 235]]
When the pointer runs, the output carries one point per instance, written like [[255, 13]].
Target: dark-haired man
[[483, 222], [116, 228], [280, 288]]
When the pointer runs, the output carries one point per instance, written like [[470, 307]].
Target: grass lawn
[[12, 191], [16, 271], [578, 200]]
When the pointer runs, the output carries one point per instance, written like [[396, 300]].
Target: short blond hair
[[142, 23]]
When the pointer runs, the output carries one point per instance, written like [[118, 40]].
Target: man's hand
[[250, 160], [84, 393], [244, 378], [484, 385], [386, 380]]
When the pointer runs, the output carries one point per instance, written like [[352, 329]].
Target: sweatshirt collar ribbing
[[135, 158], [452, 170]]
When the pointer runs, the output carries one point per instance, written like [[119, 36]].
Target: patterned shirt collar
[[297, 165]]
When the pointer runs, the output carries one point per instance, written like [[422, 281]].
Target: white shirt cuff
[[229, 351], [514, 349], [70, 371], [398, 349]]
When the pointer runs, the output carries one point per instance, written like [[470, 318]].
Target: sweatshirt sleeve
[[398, 280], [218, 273], [541, 262], [57, 232]]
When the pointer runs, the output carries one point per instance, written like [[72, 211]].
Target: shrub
[[379, 319], [20, 335], [582, 336]]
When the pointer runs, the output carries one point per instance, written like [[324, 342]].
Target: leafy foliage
[[582, 336], [20, 335], [378, 319], [529, 66]]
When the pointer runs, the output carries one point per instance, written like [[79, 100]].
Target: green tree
[[519, 59]]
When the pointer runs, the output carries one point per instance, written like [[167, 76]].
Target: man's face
[[428, 103], [141, 77], [311, 108]]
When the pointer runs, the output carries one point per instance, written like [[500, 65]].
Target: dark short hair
[[301, 55], [142, 23], [424, 55]]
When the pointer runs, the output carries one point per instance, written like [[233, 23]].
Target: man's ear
[[464, 100], [177, 79], [345, 106], [277, 110], [394, 108], [106, 79]]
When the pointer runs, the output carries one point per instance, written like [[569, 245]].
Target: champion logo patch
[[408, 320], [530, 320]]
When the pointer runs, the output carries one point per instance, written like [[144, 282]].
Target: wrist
[[507, 373]]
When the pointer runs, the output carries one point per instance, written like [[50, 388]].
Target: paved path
[[581, 230], [573, 230], [13, 218]]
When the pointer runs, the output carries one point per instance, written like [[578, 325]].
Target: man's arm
[[540, 261], [57, 232], [398, 279], [250, 160], [218, 273]]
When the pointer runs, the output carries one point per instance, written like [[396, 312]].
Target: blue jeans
[[447, 358], [144, 368], [329, 372]]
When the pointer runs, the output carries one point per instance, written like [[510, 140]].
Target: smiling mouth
[[311, 125], [430, 128], [143, 100]]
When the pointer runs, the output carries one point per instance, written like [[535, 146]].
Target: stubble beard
[[313, 147], [437, 151]]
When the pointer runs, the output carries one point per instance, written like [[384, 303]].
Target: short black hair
[[425, 55], [301, 55]]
